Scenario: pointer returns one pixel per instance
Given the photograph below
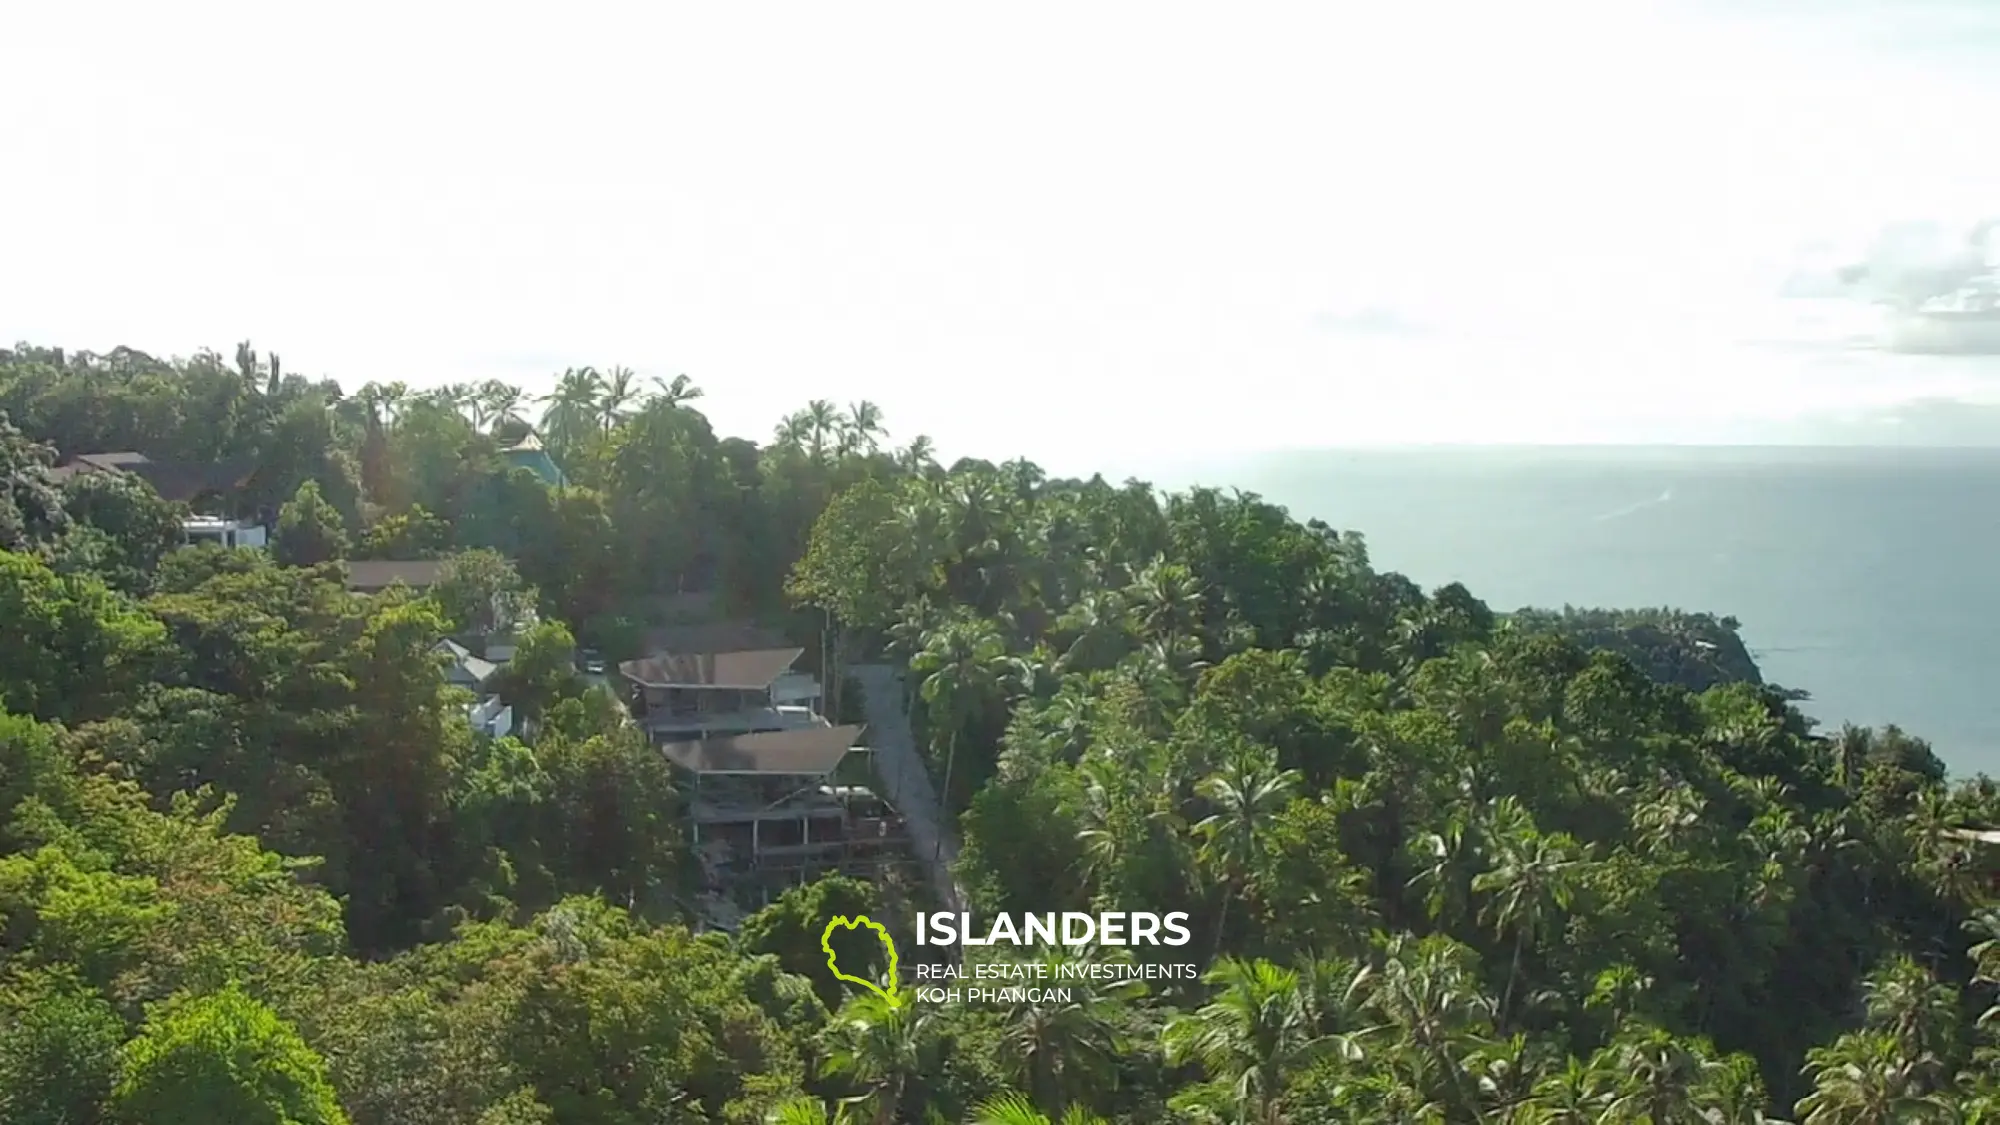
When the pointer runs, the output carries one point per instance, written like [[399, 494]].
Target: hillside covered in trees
[[1441, 864]]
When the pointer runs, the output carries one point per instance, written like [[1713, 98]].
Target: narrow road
[[902, 771]]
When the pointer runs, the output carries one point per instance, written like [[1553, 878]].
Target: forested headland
[[1442, 864]]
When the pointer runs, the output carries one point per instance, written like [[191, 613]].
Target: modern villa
[[223, 532], [681, 696], [743, 728], [205, 488]]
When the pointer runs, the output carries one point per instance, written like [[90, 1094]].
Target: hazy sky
[[1072, 231]]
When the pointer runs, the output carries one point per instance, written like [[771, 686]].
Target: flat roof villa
[[224, 532]]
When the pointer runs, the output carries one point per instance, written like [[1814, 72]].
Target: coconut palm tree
[[1248, 792], [823, 425], [678, 390], [1427, 996], [960, 668], [1014, 1109], [1578, 1094], [880, 1045], [1167, 599], [1862, 1078], [919, 457], [805, 1111], [572, 410], [1904, 1000], [500, 404], [1532, 882], [861, 430], [1102, 842], [1056, 1049], [1255, 1029], [1852, 748], [1657, 1078], [794, 432], [616, 397]]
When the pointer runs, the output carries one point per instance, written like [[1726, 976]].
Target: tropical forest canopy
[[1442, 864]]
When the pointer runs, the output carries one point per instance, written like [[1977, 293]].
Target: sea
[[1863, 572], [1864, 576]]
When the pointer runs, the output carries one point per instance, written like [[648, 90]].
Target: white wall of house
[[795, 688], [223, 533], [492, 717]]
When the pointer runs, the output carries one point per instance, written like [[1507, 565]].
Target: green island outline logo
[[826, 945]]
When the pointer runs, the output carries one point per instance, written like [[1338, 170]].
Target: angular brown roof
[[172, 480], [747, 671], [807, 752], [380, 574]]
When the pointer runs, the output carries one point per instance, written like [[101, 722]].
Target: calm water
[[1864, 576]]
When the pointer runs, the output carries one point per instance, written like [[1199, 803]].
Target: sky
[[1081, 233]]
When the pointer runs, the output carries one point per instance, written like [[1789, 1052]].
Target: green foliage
[[415, 534], [1440, 865], [59, 1044], [790, 930], [223, 1057], [136, 529], [32, 514], [310, 530], [74, 648], [481, 593], [1696, 651]]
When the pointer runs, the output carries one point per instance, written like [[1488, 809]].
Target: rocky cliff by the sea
[[1696, 651]]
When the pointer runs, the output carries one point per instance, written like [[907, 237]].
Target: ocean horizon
[[1860, 574]]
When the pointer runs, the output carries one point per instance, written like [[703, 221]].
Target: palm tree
[[1167, 598], [461, 398], [795, 432], [1658, 1076], [384, 401], [1102, 842], [1101, 626], [880, 1045], [1852, 748], [804, 1111], [678, 390], [1533, 879], [919, 457], [862, 429], [1863, 1079], [1057, 1048], [616, 396], [1425, 991], [1248, 792], [1578, 1094], [572, 411], [961, 666], [1013, 1109], [823, 425], [499, 404], [1255, 1029], [1905, 1001]]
